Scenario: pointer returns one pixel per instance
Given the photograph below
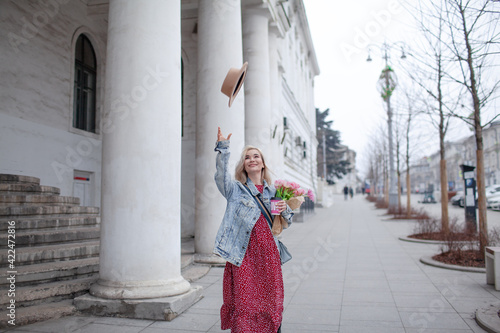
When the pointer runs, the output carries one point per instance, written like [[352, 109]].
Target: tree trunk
[[481, 195], [481, 202], [399, 193], [444, 198], [408, 193], [408, 179], [445, 224], [386, 190]]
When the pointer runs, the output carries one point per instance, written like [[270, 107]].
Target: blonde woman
[[253, 281]]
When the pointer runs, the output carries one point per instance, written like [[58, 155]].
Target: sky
[[342, 33]]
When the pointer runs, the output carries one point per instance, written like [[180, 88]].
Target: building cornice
[[307, 36]]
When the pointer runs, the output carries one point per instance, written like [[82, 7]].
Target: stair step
[[52, 271], [42, 312], [46, 222], [186, 260], [45, 237], [194, 272], [37, 200], [27, 294], [15, 211], [40, 254], [13, 179], [28, 188]]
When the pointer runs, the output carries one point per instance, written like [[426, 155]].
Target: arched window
[[84, 99]]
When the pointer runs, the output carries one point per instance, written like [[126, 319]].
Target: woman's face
[[253, 161]]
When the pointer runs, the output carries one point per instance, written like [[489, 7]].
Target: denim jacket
[[242, 211]]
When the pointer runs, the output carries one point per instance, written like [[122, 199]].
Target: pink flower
[[278, 183], [299, 192], [287, 190], [310, 194]]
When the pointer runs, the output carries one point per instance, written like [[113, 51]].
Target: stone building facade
[[118, 103], [425, 174]]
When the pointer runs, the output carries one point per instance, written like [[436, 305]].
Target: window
[[84, 99]]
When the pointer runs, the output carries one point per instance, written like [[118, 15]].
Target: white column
[[257, 86], [276, 160], [219, 48], [140, 230]]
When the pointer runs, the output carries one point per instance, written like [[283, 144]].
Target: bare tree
[[409, 102], [431, 65], [468, 35], [474, 35], [378, 157], [407, 159], [399, 131]]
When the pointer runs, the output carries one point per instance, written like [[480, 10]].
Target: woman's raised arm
[[222, 175]]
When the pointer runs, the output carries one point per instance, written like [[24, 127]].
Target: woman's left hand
[[281, 205]]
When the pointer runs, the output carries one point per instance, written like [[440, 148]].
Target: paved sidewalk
[[349, 273]]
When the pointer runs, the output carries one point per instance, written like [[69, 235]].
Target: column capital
[[260, 9], [275, 30]]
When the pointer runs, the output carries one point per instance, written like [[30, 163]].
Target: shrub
[[371, 198], [426, 225], [381, 203], [459, 239], [415, 214]]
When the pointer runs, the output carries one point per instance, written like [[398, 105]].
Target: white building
[[118, 103]]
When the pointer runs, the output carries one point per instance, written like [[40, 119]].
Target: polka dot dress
[[253, 293]]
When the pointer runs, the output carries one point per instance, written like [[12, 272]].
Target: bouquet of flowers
[[294, 197]]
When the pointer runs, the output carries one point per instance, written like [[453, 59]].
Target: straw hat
[[233, 82]]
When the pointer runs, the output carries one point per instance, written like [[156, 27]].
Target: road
[[434, 210]]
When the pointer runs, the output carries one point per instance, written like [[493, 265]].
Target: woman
[[253, 282]]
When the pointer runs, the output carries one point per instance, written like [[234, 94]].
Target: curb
[[424, 241], [487, 318], [431, 262]]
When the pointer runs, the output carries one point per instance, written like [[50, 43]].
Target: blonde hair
[[241, 175]]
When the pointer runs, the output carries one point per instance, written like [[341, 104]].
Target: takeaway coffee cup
[[274, 208]]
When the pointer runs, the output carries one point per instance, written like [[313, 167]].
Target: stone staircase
[[56, 249]]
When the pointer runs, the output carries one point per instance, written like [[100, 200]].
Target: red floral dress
[[253, 293]]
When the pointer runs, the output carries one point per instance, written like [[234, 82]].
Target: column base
[[163, 308], [139, 290], [209, 259]]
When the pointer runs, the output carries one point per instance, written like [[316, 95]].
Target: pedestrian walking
[[253, 282], [351, 192], [346, 192]]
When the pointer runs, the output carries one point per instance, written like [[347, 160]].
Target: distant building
[[350, 179], [426, 172]]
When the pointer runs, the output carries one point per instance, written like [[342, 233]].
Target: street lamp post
[[386, 85]]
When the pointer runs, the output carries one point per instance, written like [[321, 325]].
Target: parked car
[[493, 202], [455, 200], [492, 190], [461, 198]]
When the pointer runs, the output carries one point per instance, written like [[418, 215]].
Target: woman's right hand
[[221, 137]]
